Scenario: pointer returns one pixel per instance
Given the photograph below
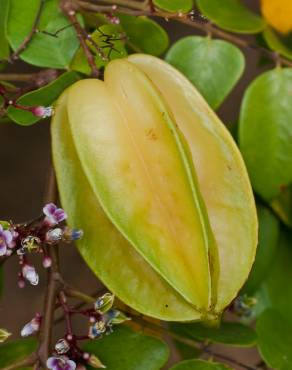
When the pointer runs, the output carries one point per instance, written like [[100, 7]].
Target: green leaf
[[16, 350], [44, 50], [265, 132], [126, 349], [224, 66], [4, 45], [231, 333], [174, 5], [199, 365], [109, 38], [268, 239], [44, 96], [231, 15], [278, 295], [275, 340], [276, 43], [282, 206], [144, 35]]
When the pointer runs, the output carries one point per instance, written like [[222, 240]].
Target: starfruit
[[159, 188]]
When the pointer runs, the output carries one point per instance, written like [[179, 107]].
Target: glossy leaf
[[4, 45], [278, 295], [109, 38], [221, 174], [144, 34], [282, 205], [224, 67], [126, 274], [276, 43], [14, 351], [174, 5], [44, 96], [54, 46], [265, 132], [126, 349], [274, 340], [268, 241], [229, 333], [231, 15], [199, 365]]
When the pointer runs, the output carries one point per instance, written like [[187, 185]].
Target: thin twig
[[28, 38], [70, 11], [53, 286], [185, 19]]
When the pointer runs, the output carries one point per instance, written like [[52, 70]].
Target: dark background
[[25, 156]]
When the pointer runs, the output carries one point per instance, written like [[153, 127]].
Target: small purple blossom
[[30, 274], [5, 239], [31, 327], [53, 214], [60, 363], [47, 262]]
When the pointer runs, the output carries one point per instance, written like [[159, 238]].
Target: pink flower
[[5, 240], [60, 363], [32, 327], [53, 214]]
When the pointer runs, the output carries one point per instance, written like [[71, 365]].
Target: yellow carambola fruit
[[126, 176], [278, 13]]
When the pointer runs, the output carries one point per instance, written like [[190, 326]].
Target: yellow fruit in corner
[[159, 187], [278, 13]]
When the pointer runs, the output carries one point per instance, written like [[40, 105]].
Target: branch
[[53, 286], [28, 38], [69, 10], [136, 9]]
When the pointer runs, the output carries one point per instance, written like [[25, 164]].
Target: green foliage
[[126, 349], [199, 365], [4, 45], [54, 45], [14, 351], [265, 132], [229, 333], [268, 239], [231, 15], [223, 65], [109, 38], [144, 35], [275, 340], [282, 206], [44, 96], [276, 43], [174, 5]]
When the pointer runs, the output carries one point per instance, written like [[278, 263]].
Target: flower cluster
[[35, 237], [68, 355]]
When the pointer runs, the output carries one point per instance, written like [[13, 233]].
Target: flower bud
[[4, 334], [32, 327], [41, 111], [72, 234], [115, 317], [47, 262], [95, 362], [30, 274], [97, 329], [54, 235], [62, 346], [104, 303]]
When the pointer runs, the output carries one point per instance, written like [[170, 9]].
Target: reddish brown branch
[[187, 19], [69, 10]]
